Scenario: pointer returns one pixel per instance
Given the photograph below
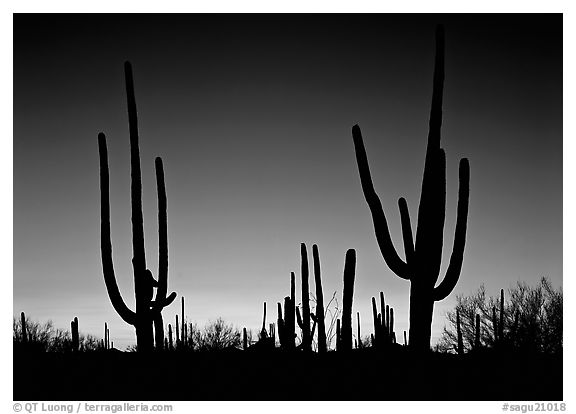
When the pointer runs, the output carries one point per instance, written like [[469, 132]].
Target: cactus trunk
[[348, 294], [306, 336], [23, 328], [75, 335], [319, 302]]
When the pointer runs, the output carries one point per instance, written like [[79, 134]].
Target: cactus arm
[[139, 260], [389, 253], [375, 321], [453, 272], [299, 318], [105, 242], [159, 304], [406, 231], [306, 338], [162, 233]]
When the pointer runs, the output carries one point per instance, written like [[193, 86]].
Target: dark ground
[[362, 375]]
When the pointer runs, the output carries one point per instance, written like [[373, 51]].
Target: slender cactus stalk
[[501, 324], [359, 337], [460, 348], [322, 348], [306, 336], [23, 328], [349, 276], [75, 335]]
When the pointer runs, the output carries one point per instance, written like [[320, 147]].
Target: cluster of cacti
[[422, 259], [287, 323], [147, 318], [312, 323], [384, 333]]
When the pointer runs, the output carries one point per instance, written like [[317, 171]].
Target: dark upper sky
[[252, 115]]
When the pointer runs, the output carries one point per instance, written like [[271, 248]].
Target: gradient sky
[[252, 115]]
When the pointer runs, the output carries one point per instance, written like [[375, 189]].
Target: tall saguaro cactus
[[306, 334], [148, 312], [319, 302], [422, 260], [348, 294]]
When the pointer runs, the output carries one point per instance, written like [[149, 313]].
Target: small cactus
[[460, 348], [75, 335], [23, 326], [244, 339]]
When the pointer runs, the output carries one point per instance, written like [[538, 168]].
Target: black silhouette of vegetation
[[148, 312], [422, 264], [221, 362], [529, 319], [30, 336]]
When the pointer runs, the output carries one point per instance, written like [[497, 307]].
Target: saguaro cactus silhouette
[[23, 327], [348, 294], [306, 333], [75, 334], [147, 311], [319, 302], [422, 264]]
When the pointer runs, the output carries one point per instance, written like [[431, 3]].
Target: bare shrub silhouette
[[44, 337], [531, 319], [217, 336]]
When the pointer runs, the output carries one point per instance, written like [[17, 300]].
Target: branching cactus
[[422, 260], [148, 312]]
